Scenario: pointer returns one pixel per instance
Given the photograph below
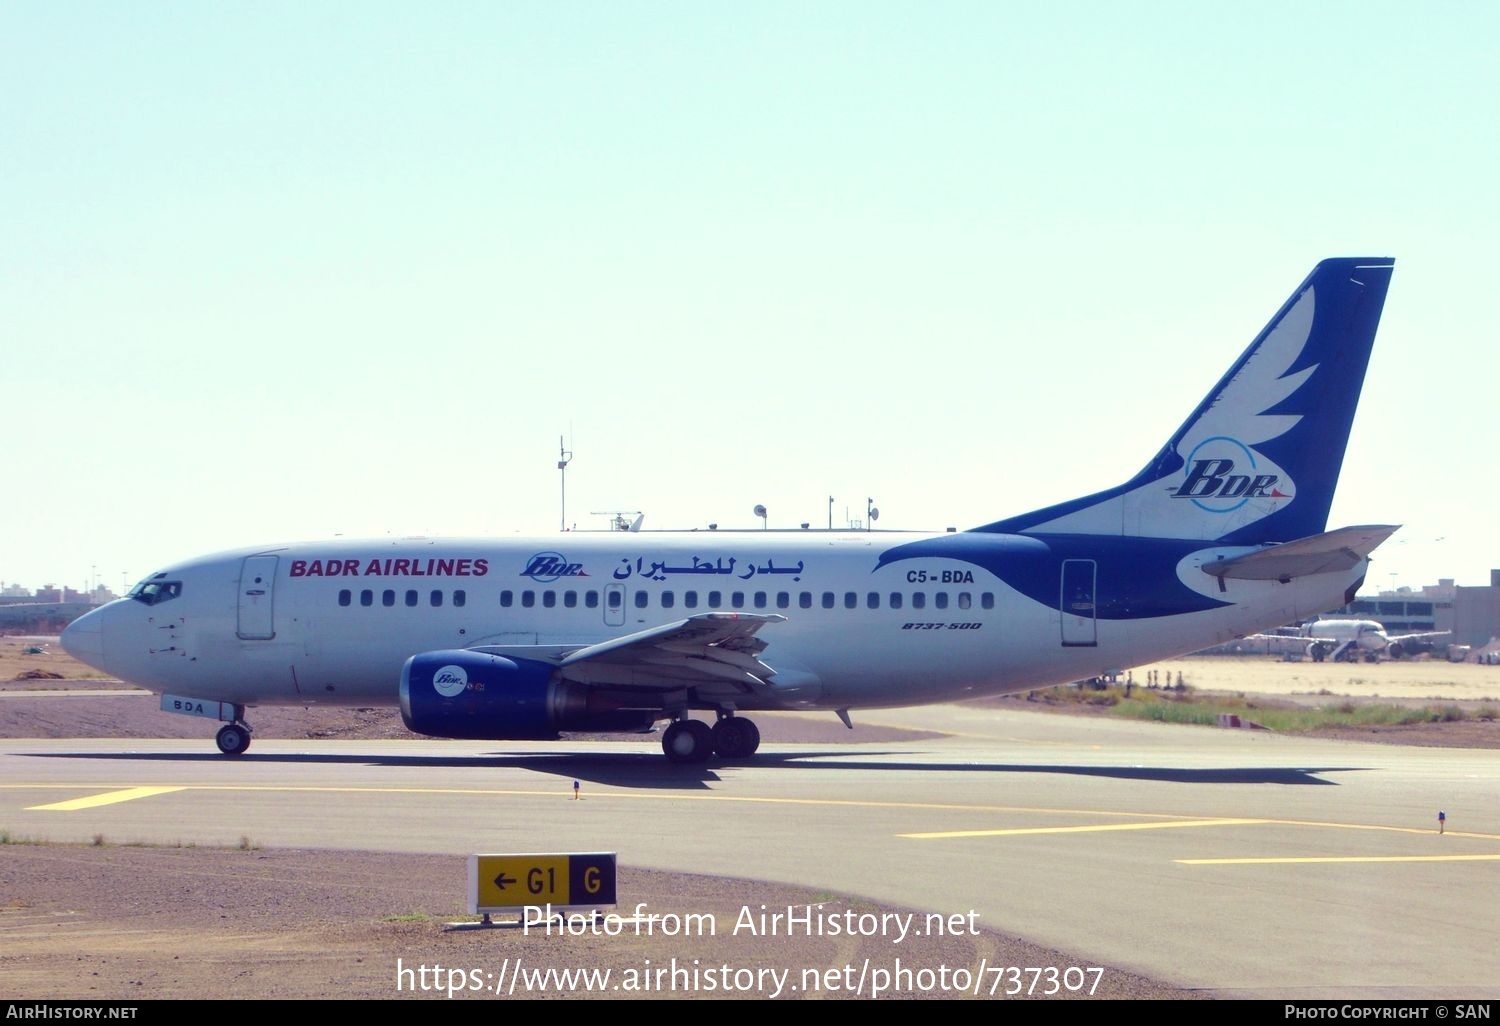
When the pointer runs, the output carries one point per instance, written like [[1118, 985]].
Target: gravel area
[[207, 924]]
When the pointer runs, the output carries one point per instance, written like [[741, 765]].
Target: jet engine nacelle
[[462, 694]]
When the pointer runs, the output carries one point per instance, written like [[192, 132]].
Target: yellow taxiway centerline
[[595, 795], [1016, 831], [1339, 858], [1143, 820], [107, 798]]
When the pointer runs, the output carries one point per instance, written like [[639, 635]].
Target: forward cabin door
[[257, 594], [1079, 628]]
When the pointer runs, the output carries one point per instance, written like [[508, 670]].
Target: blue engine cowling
[[462, 694]]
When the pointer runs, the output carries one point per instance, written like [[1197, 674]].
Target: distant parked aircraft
[[1350, 640]]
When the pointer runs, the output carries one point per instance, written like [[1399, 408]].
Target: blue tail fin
[[1259, 458]]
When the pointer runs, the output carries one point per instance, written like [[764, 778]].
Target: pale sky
[[280, 271]]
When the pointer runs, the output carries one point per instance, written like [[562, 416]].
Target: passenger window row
[[411, 598], [669, 599]]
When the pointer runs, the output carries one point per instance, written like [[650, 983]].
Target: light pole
[[564, 457]]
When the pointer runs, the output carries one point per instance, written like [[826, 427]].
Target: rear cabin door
[[1079, 627]]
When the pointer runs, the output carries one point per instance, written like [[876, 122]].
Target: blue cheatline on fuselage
[[1137, 577]]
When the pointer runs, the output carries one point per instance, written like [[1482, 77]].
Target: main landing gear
[[689, 740], [233, 738]]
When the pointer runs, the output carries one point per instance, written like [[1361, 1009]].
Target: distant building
[[14, 594], [1398, 613], [1476, 613], [1471, 613], [39, 617], [49, 610]]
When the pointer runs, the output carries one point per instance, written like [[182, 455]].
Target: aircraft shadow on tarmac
[[649, 770]]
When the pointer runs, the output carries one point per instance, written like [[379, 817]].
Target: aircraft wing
[[1321, 553], [706, 649], [1419, 634], [1290, 637]]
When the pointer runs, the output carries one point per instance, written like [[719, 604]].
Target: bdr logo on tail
[[1215, 482]]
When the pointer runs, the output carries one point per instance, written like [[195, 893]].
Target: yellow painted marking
[[487, 792], [107, 798], [1153, 819], [1341, 858], [1016, 831]]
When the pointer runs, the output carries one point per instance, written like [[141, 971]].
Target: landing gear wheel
[[233, 739], [687, 741], [736, 737]]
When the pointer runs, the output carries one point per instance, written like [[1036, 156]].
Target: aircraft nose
[[84, 639]]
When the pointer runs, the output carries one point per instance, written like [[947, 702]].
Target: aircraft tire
[[688, 741], [736, 737], [233, 739]]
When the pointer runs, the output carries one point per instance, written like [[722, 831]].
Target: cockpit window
[[154, 592]]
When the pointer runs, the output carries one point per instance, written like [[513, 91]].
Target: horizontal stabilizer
[[1332, 552]]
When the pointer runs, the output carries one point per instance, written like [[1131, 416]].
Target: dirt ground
[[1468, 693], [211, 924], [219, 924]]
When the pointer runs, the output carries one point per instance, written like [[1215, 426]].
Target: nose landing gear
[[233, 738]]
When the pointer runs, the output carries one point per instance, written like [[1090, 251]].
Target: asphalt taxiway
[[1238, 862]]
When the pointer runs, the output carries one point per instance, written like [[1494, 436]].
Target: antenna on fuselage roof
[[564, 457], [618, 521]]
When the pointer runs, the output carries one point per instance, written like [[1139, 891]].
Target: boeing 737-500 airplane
[[1222, 534]]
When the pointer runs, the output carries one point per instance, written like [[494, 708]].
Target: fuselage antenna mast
[[564, 457]]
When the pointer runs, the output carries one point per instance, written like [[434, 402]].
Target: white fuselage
[[1366, 635], [872, 619]]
